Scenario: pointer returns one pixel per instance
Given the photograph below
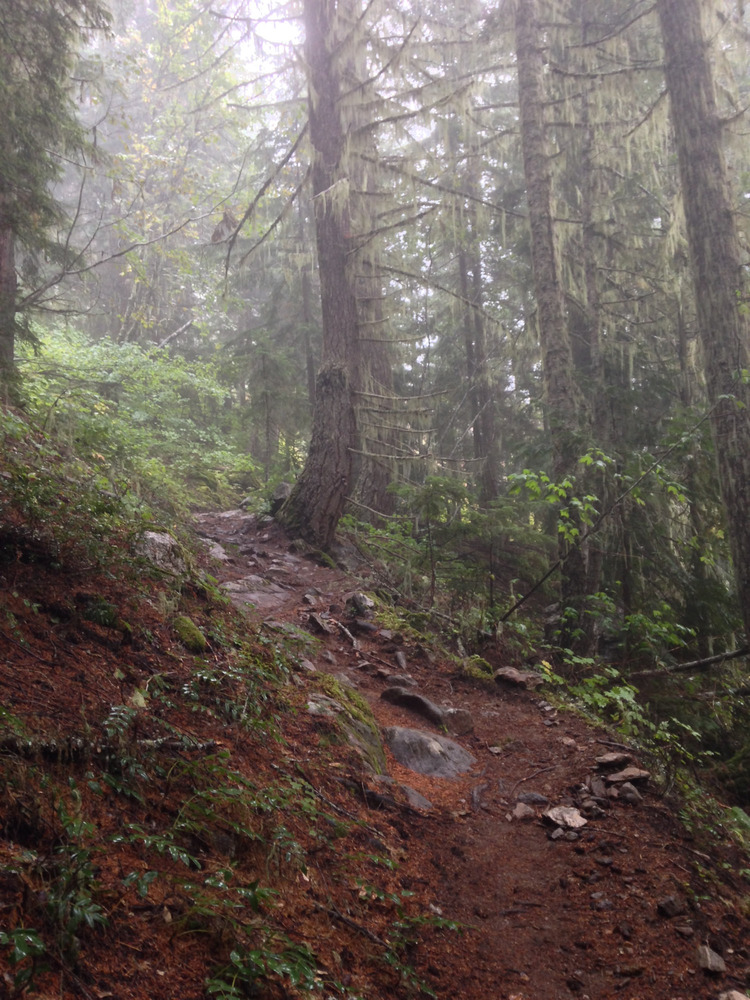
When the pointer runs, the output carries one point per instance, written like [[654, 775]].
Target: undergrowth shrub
[[145, 421]]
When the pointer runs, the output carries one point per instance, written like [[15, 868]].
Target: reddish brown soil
[[539, 918]]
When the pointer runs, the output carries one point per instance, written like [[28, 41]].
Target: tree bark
[[557, 358], [8, 290], [317, 499], [716, 262]]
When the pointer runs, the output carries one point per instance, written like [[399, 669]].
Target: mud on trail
[[620, 908], [627, 905]]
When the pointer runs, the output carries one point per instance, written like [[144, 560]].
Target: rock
[[596, 786], [320, 624], [364, 627], [686, 931], [710, 961], [361, 604], [523, 812], [216, 551], [161, 550], [613, 760], [458, 721], [670, 907], [526, 679], [630, 794], [415, 703], [628, 774], [533, 799], [353, 718], [189, 634], [402, 680], [426, 753], [413, 797], [279, 496], [565, 816], [733, 995], [400, 658]]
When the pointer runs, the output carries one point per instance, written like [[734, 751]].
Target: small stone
[[533, 799], [630, 794], [400, 658], [328, 656], [459, 721], [565, 816], [686, 931], [557, 834], [367, 628], [670, 907], [628, 774], [321, 625], [602, 905], [613, 759], [523, 812], [710, 961], [596, 786], [732, 995], [575, 982], [402, 680], [568, 741], [361, 604], [523, 678]]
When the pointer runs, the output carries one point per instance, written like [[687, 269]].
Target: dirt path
[[587, 914]]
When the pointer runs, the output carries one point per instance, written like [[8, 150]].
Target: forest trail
[[629, 907]]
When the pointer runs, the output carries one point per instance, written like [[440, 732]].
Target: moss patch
[[474, 668], [356, 721], [189, 634]]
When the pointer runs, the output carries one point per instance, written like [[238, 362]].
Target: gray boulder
[[161, 550], [427, 753]]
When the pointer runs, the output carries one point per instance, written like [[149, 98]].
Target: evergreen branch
[[250, 210], [603, 516]]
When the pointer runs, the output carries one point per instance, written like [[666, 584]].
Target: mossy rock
[[474, 668], [189, 634], [356, 721]]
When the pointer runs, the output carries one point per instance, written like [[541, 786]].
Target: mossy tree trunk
[[317, 500], [716, 262], [557, 357]]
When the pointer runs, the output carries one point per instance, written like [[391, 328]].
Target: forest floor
[[621, 909]]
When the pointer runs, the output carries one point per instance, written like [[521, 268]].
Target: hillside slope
[[176, 823]]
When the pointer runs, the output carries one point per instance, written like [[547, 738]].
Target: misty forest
[[457, 293]]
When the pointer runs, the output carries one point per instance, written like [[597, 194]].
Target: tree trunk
[[8, 288], [720, 289], [317, 499], [557, 359]]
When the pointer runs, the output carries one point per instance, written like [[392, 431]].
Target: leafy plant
[[294, 964], [25, 952]]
